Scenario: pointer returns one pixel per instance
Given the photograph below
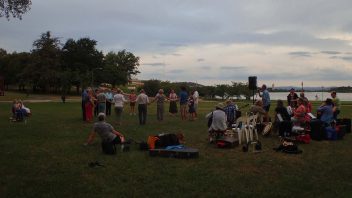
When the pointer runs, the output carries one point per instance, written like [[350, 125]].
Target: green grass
[[46, 158]]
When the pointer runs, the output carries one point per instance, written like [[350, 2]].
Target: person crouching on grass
[[106, 132]]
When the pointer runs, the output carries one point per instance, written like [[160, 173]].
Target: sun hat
[[219, 106]]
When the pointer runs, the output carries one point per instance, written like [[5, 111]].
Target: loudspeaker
[[252, 82]]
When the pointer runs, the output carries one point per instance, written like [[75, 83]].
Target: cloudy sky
[[205, 41]]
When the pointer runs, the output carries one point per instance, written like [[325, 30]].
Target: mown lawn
[[46, 158]]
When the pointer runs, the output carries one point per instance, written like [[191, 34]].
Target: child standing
[[191, 109]]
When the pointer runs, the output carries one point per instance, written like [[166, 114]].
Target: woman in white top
[[119, 100]]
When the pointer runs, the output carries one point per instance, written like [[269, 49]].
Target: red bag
[[303, 138]]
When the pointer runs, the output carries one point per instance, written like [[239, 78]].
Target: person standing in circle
[[142, 101], [173, 102], [160, 99], [119, 101], [196, 101], [183, 103], [109, 98], [132, 97]]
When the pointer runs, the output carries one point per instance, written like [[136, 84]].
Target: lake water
[[311, 96]]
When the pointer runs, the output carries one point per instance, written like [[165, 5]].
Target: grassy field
[[46, 158]]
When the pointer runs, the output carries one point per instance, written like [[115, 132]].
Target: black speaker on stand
[[252, 84]]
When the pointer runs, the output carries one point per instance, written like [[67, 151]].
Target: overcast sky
[[282, 42]]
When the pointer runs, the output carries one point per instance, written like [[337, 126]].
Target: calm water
[[312, 96]]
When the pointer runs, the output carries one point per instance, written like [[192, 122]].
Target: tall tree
[[14, 8], [83, 59], [152, 86], [44, 71], [14, 64], [120, 66]]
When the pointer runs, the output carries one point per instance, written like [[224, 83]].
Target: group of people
[[223, 117], [106, 131], [299, 110], [101, 101]]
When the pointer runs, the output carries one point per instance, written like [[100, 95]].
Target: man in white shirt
[[142, 101]]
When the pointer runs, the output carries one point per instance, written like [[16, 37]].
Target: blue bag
[[331, 133]]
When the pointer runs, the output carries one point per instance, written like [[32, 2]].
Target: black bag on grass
[[345, 121], [317, 130], [108, 147], [165, 140]]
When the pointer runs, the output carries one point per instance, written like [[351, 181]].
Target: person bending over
[[325, 111], [106, 132], [258, 108], [218, 125]]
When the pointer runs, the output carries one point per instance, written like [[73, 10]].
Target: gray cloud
[[176, 71], [154, 64], [233, 67], [330, 52], [300, 54], [205, 67], [345, 58], [200, 59]]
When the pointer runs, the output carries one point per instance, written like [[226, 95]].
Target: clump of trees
[[55, 67], [236, 89]]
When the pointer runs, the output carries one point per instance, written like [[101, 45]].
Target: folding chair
[[252, 126], [240, 128]]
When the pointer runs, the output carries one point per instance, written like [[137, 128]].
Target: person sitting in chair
[[21, 111], [106, 132], [230, 111], [258, 108], [325, 111], [299, 114], [218, 125], [282, 122]]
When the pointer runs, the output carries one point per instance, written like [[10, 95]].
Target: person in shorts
[[183, 103]]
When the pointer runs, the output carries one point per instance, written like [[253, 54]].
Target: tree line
[[224, 91], [53, 67]]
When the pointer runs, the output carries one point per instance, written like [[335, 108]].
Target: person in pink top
[[299, 114], [132, 98]]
